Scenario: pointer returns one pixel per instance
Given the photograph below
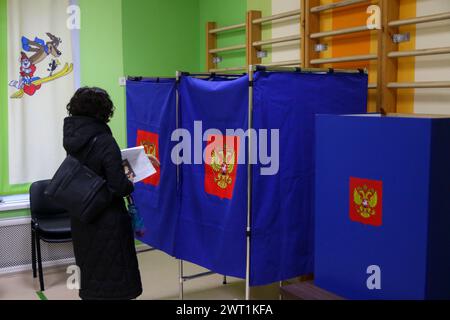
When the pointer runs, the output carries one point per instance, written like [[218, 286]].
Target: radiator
[[15, 248]]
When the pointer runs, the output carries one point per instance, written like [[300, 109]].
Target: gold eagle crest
[[222, 163], [150, 148], [366, 199]]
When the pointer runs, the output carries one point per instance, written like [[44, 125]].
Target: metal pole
[[249, 181], [177, 120], [199, 275], [209, 74], [279, 290], [270, 68], [177, 124], [181, 279]]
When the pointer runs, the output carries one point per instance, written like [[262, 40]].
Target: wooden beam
[[312, 25], [254, 34], [419, 85], [423, 19], [296, 63], [419, 52], [335, 5], [211, 44], [230, 48], [363, 57], [388, 68], [302, 31], [276, 40], [228, 28], [243, 68], [339, 32], [379, 66], [277, 16]]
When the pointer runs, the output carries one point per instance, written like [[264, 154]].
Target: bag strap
[[91, 146]]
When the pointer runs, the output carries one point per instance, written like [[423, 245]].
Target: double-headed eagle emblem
[[366, 199], [150, 148], [223, 162]]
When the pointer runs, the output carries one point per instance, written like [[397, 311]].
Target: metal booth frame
[[251, 74]]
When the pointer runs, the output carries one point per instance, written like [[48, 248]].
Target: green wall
[[160, 36], [265, 6], [101, 49], [136, 37], [224, 13], [163, 36], [5, 188]]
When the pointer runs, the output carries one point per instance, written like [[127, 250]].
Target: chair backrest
[[40, 205]]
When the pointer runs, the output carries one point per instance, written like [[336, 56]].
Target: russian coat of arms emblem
[[366, 201], [223, 161]]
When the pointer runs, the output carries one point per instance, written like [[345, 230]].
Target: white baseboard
[[29, 268]]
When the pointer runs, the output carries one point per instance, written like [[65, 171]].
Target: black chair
[[49, 223]]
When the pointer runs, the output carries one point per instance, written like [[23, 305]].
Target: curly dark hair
[[91, 102]]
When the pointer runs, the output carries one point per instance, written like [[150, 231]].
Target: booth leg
[[225, 280], [281, 285], [249, 183], [181, 279]]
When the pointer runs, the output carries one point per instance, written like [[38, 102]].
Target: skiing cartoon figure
[[29, 83], [41, 48], [27, 79]]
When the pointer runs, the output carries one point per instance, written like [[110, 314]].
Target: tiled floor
[[159, 277]]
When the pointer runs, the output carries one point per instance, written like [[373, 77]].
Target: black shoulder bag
[[78, 189]]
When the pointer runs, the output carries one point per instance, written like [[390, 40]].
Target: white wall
[[433, 68], [288, 27]]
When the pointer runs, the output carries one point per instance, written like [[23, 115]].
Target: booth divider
[[262, 256]]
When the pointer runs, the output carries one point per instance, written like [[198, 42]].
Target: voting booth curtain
[[204, 220], [283, 204], [151, 119], [213, 215]]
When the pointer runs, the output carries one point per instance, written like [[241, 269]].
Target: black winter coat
[[104, 249]]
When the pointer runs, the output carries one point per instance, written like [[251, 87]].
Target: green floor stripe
[[41, 295]]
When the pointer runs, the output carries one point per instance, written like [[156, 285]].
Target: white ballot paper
[[136, 164]]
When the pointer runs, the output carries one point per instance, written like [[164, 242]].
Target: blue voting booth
[[188, 215], [382, 211]]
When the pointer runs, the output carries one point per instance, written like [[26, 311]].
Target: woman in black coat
[[104, 249]]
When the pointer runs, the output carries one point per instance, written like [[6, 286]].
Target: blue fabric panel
[[211, 230], [283, 204], [151, 107]]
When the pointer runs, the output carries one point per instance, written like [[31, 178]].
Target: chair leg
[[39, 258], [33, 252]]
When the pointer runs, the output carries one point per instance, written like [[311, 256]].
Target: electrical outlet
[[122, 81]]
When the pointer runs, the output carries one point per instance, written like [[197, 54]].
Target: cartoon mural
[[29, 83]]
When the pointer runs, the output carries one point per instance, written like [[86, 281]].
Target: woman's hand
[[154, 161]]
